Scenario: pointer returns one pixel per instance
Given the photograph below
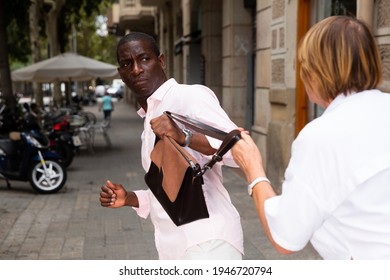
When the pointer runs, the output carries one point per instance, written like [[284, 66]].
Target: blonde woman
[[336, 191]]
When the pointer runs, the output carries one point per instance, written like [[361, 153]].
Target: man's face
[[141, 69]]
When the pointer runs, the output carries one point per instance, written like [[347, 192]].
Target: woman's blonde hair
[[340, 55]]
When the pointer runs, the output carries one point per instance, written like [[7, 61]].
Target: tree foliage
[[75, 17], [17, 29], [80, 13]]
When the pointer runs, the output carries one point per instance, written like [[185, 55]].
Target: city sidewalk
[[72, 225]]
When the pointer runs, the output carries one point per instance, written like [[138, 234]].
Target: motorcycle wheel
[[50, 181], [66, 153]]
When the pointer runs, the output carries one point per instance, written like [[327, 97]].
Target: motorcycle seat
[[15, 136]]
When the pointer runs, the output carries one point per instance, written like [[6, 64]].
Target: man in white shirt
[[141, 67]]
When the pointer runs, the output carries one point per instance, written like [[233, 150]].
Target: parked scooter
[[25, 156]]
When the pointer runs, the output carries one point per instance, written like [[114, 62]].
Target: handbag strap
[[231, 138], [228, 139], [198, 126]]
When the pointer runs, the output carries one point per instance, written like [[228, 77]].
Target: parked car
[[116, 91]]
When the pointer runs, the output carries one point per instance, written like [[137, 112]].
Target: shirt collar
[[335, 102], [158, 95], [341, 98]]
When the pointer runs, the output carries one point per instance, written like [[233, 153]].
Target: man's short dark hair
[[138, 36]]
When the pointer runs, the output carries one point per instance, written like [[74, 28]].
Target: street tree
[[42, 28], [10, 25]]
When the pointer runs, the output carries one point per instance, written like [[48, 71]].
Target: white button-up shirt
[[337, 185], [200, 103]]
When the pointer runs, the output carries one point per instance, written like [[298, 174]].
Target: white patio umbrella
[[65, 67]]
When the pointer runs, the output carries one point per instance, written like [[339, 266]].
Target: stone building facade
[[245, 51]]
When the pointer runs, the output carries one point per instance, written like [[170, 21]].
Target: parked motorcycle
[[62, 139], [25, 156], [25, 153]]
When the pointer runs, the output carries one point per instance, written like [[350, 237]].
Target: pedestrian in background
[[107, 106], [337, 185]]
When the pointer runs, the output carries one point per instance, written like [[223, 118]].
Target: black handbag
[[176, 178]]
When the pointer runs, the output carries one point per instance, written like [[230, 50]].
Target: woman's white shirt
[[337, 185]]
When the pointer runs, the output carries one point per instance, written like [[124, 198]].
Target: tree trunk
[[52, 35], [34, 16], [5, 74]]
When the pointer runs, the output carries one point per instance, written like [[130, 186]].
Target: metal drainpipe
[[250, 91], [250, 83]]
